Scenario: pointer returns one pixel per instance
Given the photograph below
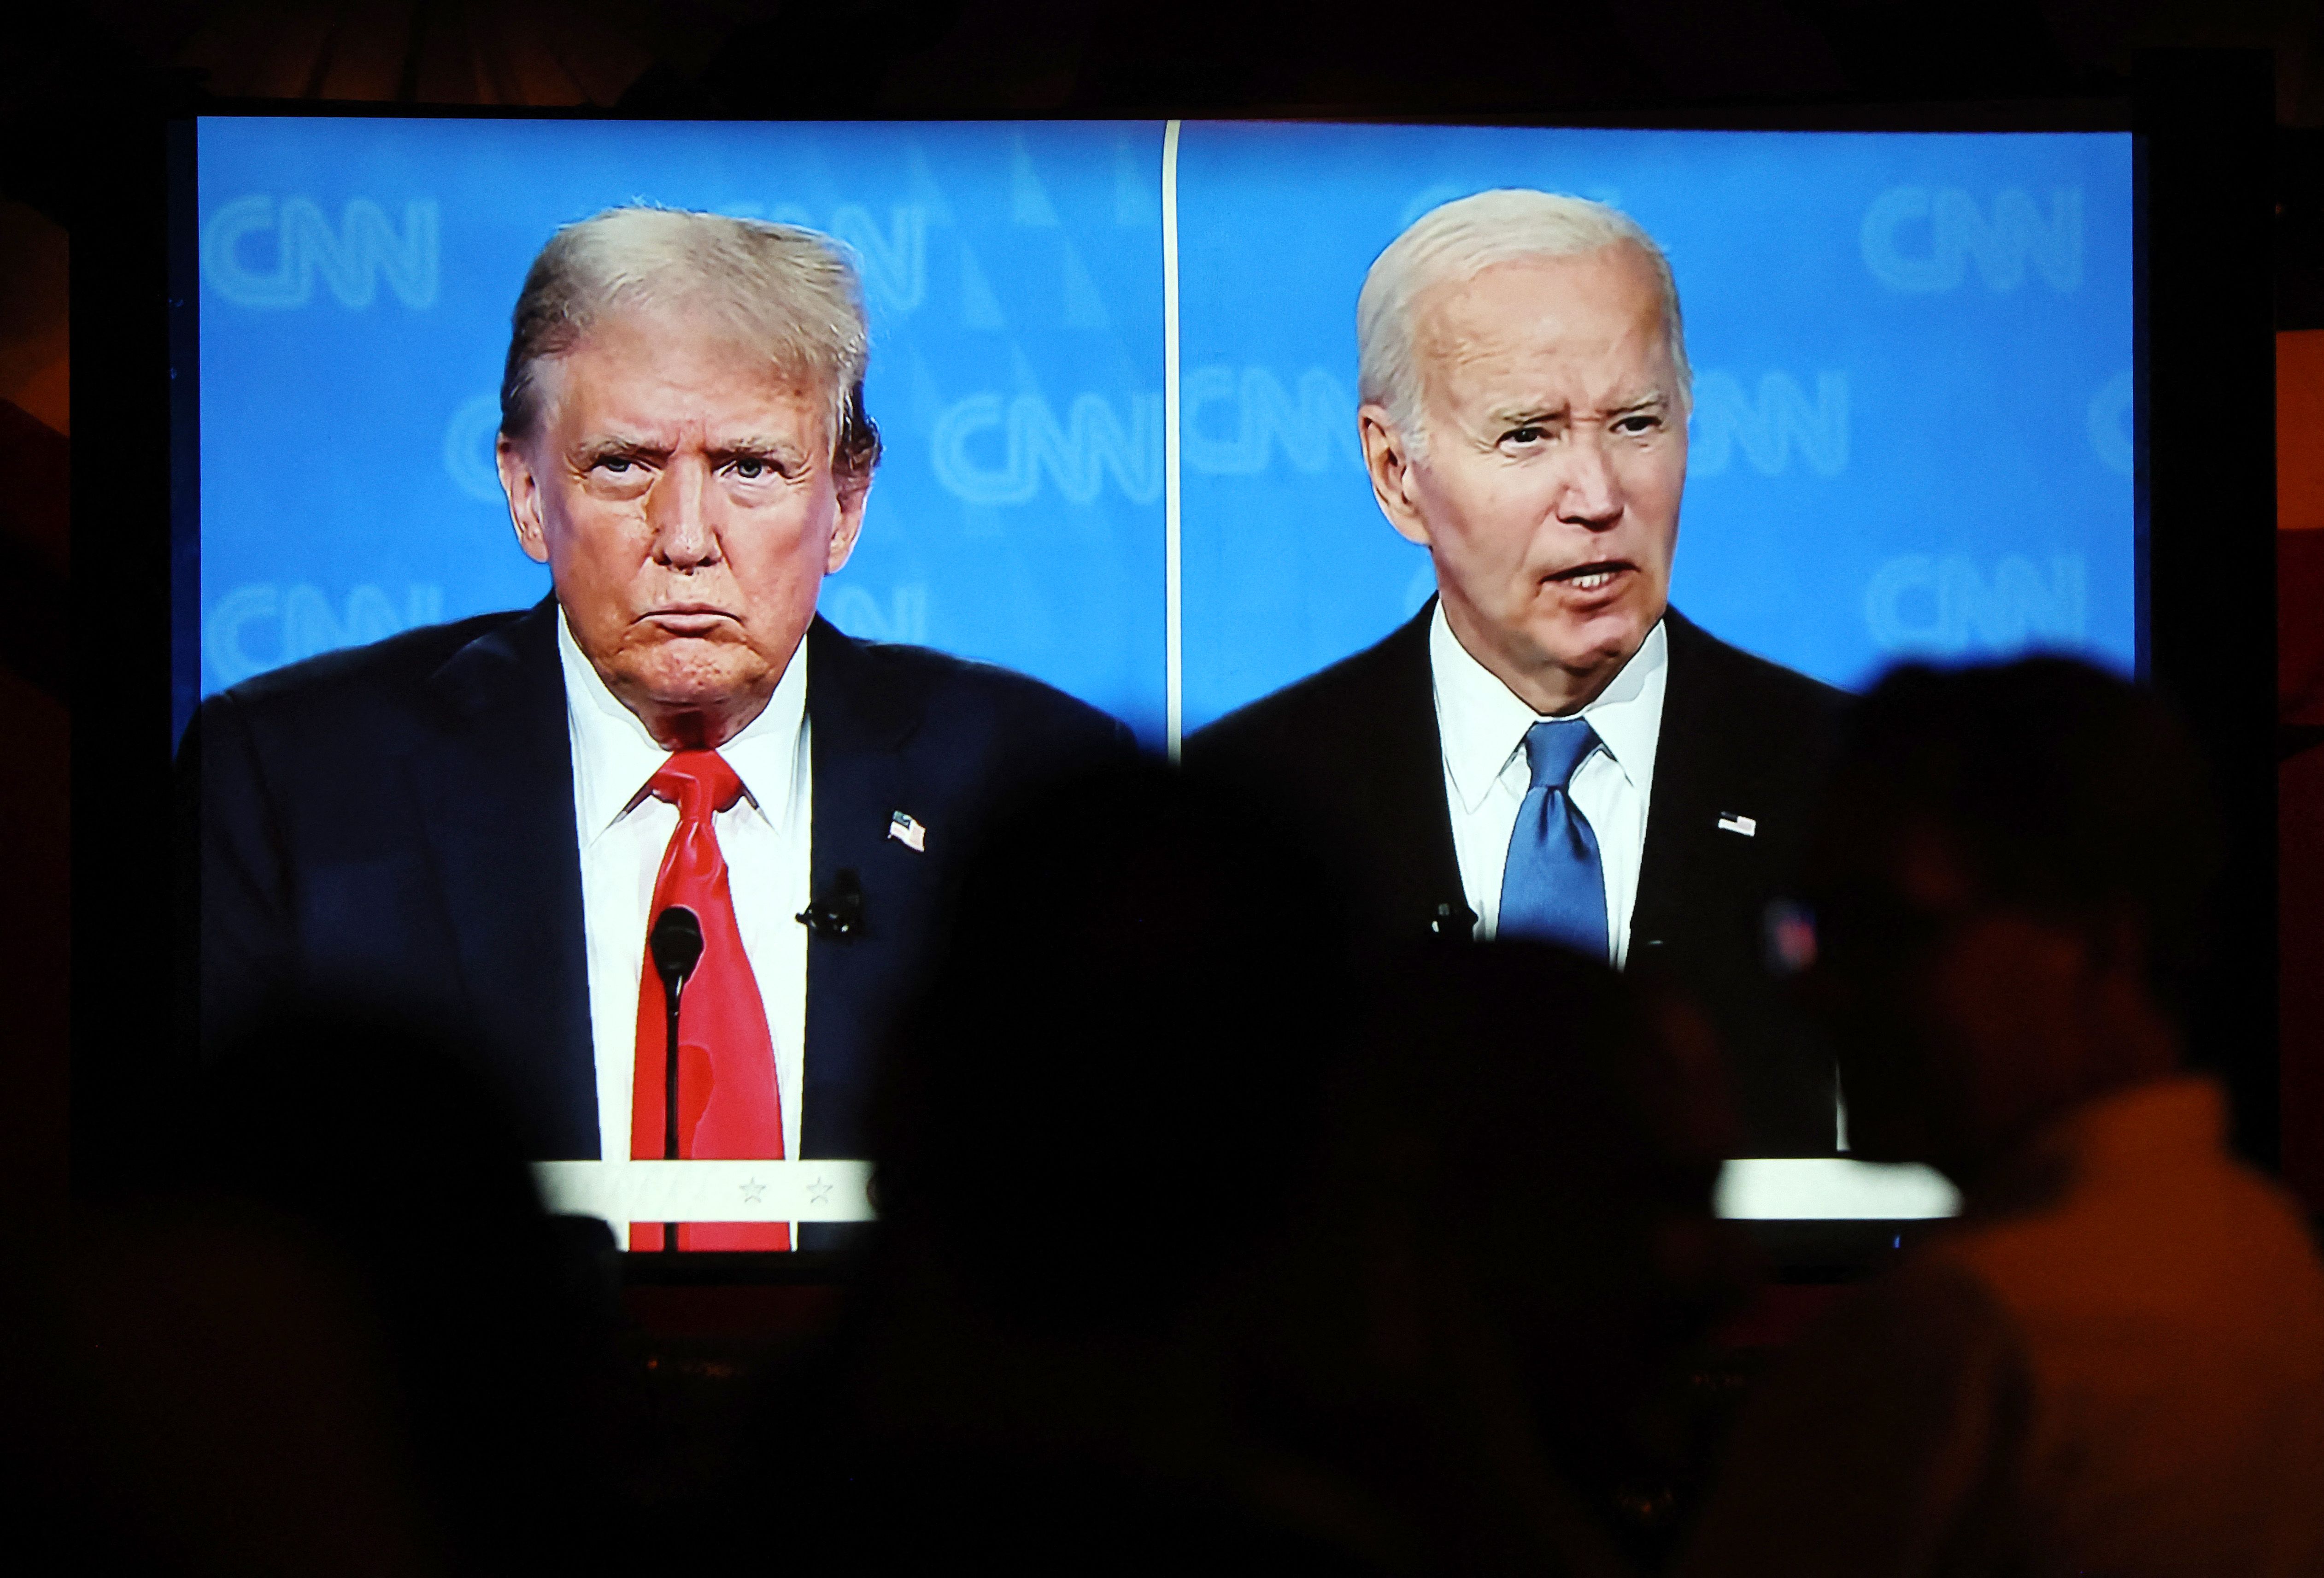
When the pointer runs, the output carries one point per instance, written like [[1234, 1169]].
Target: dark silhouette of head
[[2009, 887], [375, 1148], [1553, 1138], [1119, 1060]]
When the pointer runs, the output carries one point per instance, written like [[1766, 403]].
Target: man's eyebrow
[[612, 445], [1518, 416], [752, 444]]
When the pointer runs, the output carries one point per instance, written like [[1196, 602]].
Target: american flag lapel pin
[[1748, 826], [908, 831]]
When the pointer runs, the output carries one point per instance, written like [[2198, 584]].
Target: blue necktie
[[1552, 887]]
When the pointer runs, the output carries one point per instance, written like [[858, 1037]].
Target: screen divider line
[[1175, 688]]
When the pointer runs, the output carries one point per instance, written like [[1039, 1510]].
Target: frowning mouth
[[687, 618], [1592, 578]]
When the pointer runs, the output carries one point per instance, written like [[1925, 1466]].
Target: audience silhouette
[[337, 1334], [1213, 1238], [1207, 1244], [2114, 1360]]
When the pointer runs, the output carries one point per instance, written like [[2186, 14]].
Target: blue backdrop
[[1913, 358]]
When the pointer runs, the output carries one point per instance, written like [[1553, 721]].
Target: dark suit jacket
[[394, 823], [1353, 752]]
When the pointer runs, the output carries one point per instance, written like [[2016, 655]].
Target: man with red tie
[[483, 820]]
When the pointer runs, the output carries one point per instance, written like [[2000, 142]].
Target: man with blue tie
[[481, 822], [1549, 749]]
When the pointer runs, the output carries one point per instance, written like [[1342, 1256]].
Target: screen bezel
[[2198, 151]]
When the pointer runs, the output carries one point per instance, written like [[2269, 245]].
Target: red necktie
[[728, 1104]]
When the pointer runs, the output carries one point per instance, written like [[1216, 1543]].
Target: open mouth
[[1592, 578]]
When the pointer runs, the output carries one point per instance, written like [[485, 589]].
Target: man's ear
[[523, 491], [854, 493], [1388, 458]]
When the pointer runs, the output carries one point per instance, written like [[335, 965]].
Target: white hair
[[1456, 241], [788, 290]]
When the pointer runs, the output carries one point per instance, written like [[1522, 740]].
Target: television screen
[[1906, 432]]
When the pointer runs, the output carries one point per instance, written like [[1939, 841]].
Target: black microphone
[[676, 944]]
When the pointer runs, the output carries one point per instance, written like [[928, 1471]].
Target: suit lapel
[[1407, 808], [1691, 762], [857, 730], [494, 791]]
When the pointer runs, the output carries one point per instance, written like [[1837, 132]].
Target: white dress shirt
[[1482, 724], [765, 836]]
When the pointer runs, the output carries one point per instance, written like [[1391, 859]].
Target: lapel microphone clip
[[1453, 923], [839, 913]]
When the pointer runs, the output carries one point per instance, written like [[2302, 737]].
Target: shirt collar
[[1483, 723], [614, 758]]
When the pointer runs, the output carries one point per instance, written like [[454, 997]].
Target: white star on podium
[[752, 1192]]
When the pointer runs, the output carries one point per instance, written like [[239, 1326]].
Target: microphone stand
[[676, 943], [669, 1096]]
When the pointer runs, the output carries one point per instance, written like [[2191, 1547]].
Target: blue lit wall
[[1912, 354]]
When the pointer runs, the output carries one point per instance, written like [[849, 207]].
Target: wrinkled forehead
[[680, 362], [1604, 302]]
